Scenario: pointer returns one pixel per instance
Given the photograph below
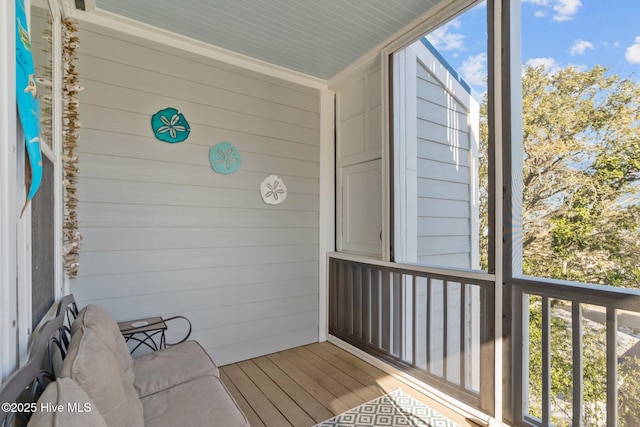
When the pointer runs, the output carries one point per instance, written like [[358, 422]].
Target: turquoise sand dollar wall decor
[[224, 158], [170, 126]]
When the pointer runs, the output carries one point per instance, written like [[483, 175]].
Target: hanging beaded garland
[[71, 125]]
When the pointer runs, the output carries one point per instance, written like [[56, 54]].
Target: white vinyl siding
[[436, 207], [163, 233], [443, 163]]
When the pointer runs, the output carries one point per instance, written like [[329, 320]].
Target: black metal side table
[[149, 332]]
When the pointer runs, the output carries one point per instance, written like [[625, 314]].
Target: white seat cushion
[[102, 324], [94, 366], [74, 407], [202, 402], [171, 366]]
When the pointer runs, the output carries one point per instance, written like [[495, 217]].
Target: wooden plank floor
[[306, 385]]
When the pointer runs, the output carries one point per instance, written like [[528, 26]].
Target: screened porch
[[328, 195]]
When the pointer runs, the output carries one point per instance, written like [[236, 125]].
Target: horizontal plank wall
[[443, 175], [163, 233], [436, 162]]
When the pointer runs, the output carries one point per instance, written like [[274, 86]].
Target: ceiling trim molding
[[426, 22], [444, 12], [148, 32]]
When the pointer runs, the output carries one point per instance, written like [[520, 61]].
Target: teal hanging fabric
[[27, 99]]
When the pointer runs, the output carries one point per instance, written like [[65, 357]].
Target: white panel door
[[361, 222]]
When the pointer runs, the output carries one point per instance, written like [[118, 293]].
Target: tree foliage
[[581, 139], [580, 206], [594, 362], [580, 218]]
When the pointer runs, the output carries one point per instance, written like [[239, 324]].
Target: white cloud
[[580, 47], [563, 10], [549, 64], [566, 9], [444, 39], [474, 70], [581, 68], [537, 2], [633, 52]]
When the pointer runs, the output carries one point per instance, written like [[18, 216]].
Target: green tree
[[594, 362], [581, 139], [628, 405], [581, 206], [581, 217]]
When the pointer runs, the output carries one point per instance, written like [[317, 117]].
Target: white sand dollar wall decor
[[273, 190]]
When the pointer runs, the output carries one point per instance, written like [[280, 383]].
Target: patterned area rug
[[392, 409]]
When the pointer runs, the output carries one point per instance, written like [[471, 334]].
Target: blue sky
[[555, 33]]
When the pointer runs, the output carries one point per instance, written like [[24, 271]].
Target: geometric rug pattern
[[391, 410]]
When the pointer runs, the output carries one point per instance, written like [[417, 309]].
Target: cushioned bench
[[176, 386]]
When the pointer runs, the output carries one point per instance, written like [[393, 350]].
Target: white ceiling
[[316, 37]]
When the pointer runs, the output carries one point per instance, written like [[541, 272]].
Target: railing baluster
[[337, 293], [357, 301], [576, 337], [349, 297], [385, 325], [398, 320], [428, 326], [546, 362], [333, 303], [612, 367], [342, 288], [414, 320], [366, 305], [522, 314], [375, 308], [395, 315], [445, 323], [462, 353]]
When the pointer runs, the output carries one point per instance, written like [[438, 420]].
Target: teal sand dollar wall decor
[[224, 158], [170, 126]]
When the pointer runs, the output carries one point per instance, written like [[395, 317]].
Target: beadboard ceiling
[[316, 37]]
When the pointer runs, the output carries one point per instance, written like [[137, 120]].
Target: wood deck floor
[[306, 385]]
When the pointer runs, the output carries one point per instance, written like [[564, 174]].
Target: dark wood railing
[[573, 308], [435, 325], [438, 326]]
